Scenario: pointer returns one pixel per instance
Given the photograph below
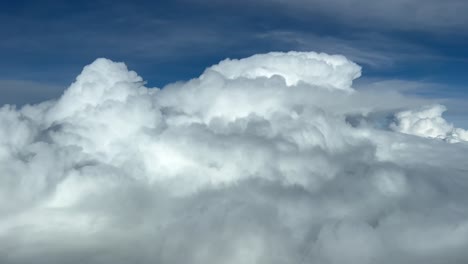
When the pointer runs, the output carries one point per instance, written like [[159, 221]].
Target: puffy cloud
[[321, 70], [268, 159], [428, 122]]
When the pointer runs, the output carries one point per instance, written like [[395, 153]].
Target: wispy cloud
[[401, 15]]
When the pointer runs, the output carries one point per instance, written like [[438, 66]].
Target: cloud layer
[[426, 16], [269, 159]]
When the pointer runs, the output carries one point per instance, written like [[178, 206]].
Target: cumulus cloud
[[428, 122], [321, 70], [269, 159]]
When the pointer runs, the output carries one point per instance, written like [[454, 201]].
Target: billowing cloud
[[321, 70], [428, 122], [269, 159]]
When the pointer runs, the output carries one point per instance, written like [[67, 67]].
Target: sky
[[45, 44], [254, 132]]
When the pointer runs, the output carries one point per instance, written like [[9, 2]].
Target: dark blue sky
[[46, 43]]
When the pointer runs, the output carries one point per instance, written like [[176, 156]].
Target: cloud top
[[318, 69]]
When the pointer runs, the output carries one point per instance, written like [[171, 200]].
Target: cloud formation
[[428, 122], [269, 159], [321, 70]]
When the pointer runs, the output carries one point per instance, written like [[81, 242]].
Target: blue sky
[[45, 44]]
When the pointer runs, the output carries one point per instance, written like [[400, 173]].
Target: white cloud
[[321, 70], [428, 122], [269, 159]]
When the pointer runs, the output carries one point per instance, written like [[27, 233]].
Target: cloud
[[323, 70], [273, 158], [428, 122], [424, 16], [370, 53]]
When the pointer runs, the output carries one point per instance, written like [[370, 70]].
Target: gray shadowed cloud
[[27, 92], [449, 95]]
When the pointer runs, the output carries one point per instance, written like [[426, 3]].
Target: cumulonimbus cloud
[[269, 159]]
